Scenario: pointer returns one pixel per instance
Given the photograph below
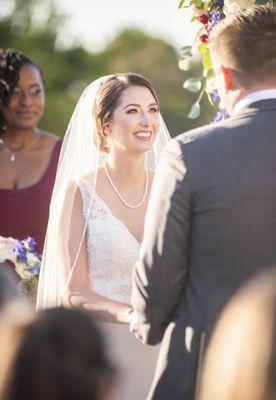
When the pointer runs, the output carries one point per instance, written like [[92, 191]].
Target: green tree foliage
[[67, 72]]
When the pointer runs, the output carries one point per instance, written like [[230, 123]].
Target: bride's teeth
[[143, 134]]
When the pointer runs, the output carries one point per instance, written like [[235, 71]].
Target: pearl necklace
[[14, 154], [119, 194]]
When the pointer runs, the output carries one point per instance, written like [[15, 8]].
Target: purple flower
[[20, 251], [219, 3], [215, 17], [215, 96], [31, 243], [221, 115], [35, 269]]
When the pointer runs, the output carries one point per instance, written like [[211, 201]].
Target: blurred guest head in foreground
[[240, 363], [59, 355], [8, 289]]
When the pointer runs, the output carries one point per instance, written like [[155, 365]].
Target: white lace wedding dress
[[112, 253]]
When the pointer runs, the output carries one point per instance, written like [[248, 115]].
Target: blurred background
[[76, 41]]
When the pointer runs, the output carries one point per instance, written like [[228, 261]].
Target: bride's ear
[[105, 137], [106, 129]]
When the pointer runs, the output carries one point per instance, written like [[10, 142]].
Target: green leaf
[[209, 73], [186, 51], [205, 55], [202, 48], [192, 84], [210, 98], [210, 85], [185, 64], [206, 61], [195, 111], [181, 3], [197, 3]]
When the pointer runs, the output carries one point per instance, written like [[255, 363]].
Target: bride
[[97, 214]]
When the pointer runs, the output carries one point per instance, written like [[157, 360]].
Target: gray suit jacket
[[210, 226]]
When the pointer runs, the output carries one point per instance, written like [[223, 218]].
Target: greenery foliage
[[208, 13]]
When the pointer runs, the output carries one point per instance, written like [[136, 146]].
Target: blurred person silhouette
[[56, 354], [240, 362], [28, 155], [8, 289]]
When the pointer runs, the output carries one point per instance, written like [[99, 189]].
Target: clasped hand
[[134, 325]]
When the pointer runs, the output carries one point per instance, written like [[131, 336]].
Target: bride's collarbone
[[132, 218]]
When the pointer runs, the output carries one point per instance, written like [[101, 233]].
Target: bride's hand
[[124, 314], [135, 327]]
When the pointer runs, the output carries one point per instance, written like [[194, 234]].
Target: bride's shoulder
[[87, 180], [80, 187]]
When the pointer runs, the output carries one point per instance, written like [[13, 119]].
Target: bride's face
[[135, 121]]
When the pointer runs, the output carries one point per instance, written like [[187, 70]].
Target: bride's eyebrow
[[138, 105]]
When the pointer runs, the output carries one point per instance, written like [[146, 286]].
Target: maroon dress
[[24, 212]]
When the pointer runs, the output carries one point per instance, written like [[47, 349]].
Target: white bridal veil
[[80, 157]]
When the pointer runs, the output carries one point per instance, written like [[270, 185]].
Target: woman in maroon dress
[[28, 155]]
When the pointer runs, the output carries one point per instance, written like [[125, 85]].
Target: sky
[[94, 23]]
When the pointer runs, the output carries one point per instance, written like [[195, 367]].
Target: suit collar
[[253, 97], [261, 105]]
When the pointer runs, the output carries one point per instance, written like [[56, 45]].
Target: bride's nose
[[144, 119]]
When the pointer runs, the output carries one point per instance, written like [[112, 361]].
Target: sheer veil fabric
[[80, 158]]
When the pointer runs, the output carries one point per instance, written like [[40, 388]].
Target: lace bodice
[[112, 249]]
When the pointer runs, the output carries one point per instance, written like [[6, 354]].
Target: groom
[[211, 221]]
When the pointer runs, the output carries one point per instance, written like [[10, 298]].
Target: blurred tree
[[31, 26]]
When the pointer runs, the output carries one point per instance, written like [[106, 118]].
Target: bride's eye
[[131, 111], [154, 109]]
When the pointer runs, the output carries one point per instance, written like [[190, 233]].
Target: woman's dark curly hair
[[11, 61]]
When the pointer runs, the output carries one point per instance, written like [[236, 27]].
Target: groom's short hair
[[246, 43]]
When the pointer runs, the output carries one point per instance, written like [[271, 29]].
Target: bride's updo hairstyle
[[107, 98]]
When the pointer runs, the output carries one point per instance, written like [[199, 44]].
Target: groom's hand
[[135, 327]]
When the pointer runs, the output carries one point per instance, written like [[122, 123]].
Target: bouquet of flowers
[[207, 13], [26, 260]]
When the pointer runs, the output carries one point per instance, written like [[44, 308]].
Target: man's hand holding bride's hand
[[123, 314], [135, 327]]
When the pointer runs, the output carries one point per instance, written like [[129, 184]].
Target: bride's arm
[[77, 291]]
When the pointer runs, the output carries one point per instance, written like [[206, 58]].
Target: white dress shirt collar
[[253, 97]]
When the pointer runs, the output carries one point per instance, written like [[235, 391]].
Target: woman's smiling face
[[26, 105], [135, 121]]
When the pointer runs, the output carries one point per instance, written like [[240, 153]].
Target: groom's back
[[233, 234]]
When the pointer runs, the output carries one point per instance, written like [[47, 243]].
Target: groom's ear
[[228, 77]]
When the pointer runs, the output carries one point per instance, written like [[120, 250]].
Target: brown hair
[[107, 98], [246, 42], [59, 354]]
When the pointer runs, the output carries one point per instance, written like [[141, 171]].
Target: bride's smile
[[135, 121]]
